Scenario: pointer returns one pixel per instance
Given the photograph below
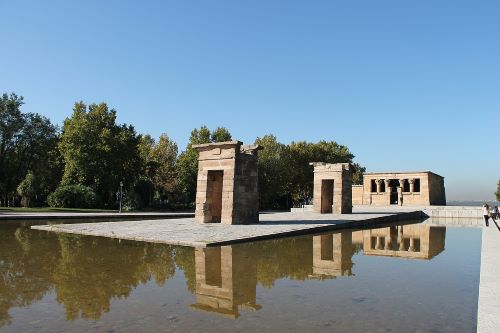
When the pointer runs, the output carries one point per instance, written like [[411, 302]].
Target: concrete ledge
[[488, 320], [37, 218]]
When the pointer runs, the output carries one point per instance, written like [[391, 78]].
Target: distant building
[[400, 188]]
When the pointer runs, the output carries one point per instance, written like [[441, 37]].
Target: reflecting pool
[[400, 278]]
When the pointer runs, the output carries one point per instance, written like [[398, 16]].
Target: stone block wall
[[227, 183], [437, 195], [340, 175], [357, 194]]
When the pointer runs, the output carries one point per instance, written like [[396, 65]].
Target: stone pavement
[[488, 312], [186, 232]]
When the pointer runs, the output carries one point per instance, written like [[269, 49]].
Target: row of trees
[[28, 153], [83, 163]]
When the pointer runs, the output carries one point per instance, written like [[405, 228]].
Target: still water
[[406, 278]]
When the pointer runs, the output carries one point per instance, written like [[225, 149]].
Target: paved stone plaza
[[189, 233], [488, 320]]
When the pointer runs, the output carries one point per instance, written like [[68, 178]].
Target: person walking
[[486, 214], [494, 214]]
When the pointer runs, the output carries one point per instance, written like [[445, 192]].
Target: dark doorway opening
[[214, 194], [394, 183], [213, 267], [326, 195], [327, 247]]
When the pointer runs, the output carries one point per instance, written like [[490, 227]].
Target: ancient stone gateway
[[227, 186], [332, 188]]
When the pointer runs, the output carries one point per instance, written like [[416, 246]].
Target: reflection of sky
[[406, 87], [384, 292]]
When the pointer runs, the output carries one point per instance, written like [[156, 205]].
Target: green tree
[[98, 152], [497, 193], [27, 142], [301, 173], [72, 196], [273, 172], [11, 122], [144, 188], [187, 164], [164, 155], [27, 189], [285, 176], [220, 134]]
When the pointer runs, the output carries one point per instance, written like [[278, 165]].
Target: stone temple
[[227, 185], [423, 188]]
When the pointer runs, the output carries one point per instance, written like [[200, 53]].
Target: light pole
[[121, 196]]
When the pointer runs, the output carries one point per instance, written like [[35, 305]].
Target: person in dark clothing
[[486, 214]]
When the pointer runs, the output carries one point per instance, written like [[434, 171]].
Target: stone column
[[388, 190], [388, 240], [379, 185], [400, 239], [400, 191], [412, 184], [378, 244], [412, 245], [387, 186]]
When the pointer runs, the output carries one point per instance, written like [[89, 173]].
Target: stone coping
[[71, 215]]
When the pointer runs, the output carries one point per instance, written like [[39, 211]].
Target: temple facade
[[400, 188]]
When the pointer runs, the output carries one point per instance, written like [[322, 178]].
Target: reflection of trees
[[88, 272], [92, 271], [85, 272], [27, 261], [184, 258], [283, 258]]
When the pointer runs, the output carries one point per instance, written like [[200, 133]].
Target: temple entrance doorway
[[394, 184], [214, 194], [326, 195]]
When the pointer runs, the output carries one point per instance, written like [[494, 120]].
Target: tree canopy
[[98, 152], [285, 176], [85, 162], [28, 142]]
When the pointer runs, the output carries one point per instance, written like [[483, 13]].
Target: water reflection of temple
[[405, 241], [87, 273], [332, 255], [226, 279]]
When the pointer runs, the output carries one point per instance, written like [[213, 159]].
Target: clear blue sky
[[406, 85]]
